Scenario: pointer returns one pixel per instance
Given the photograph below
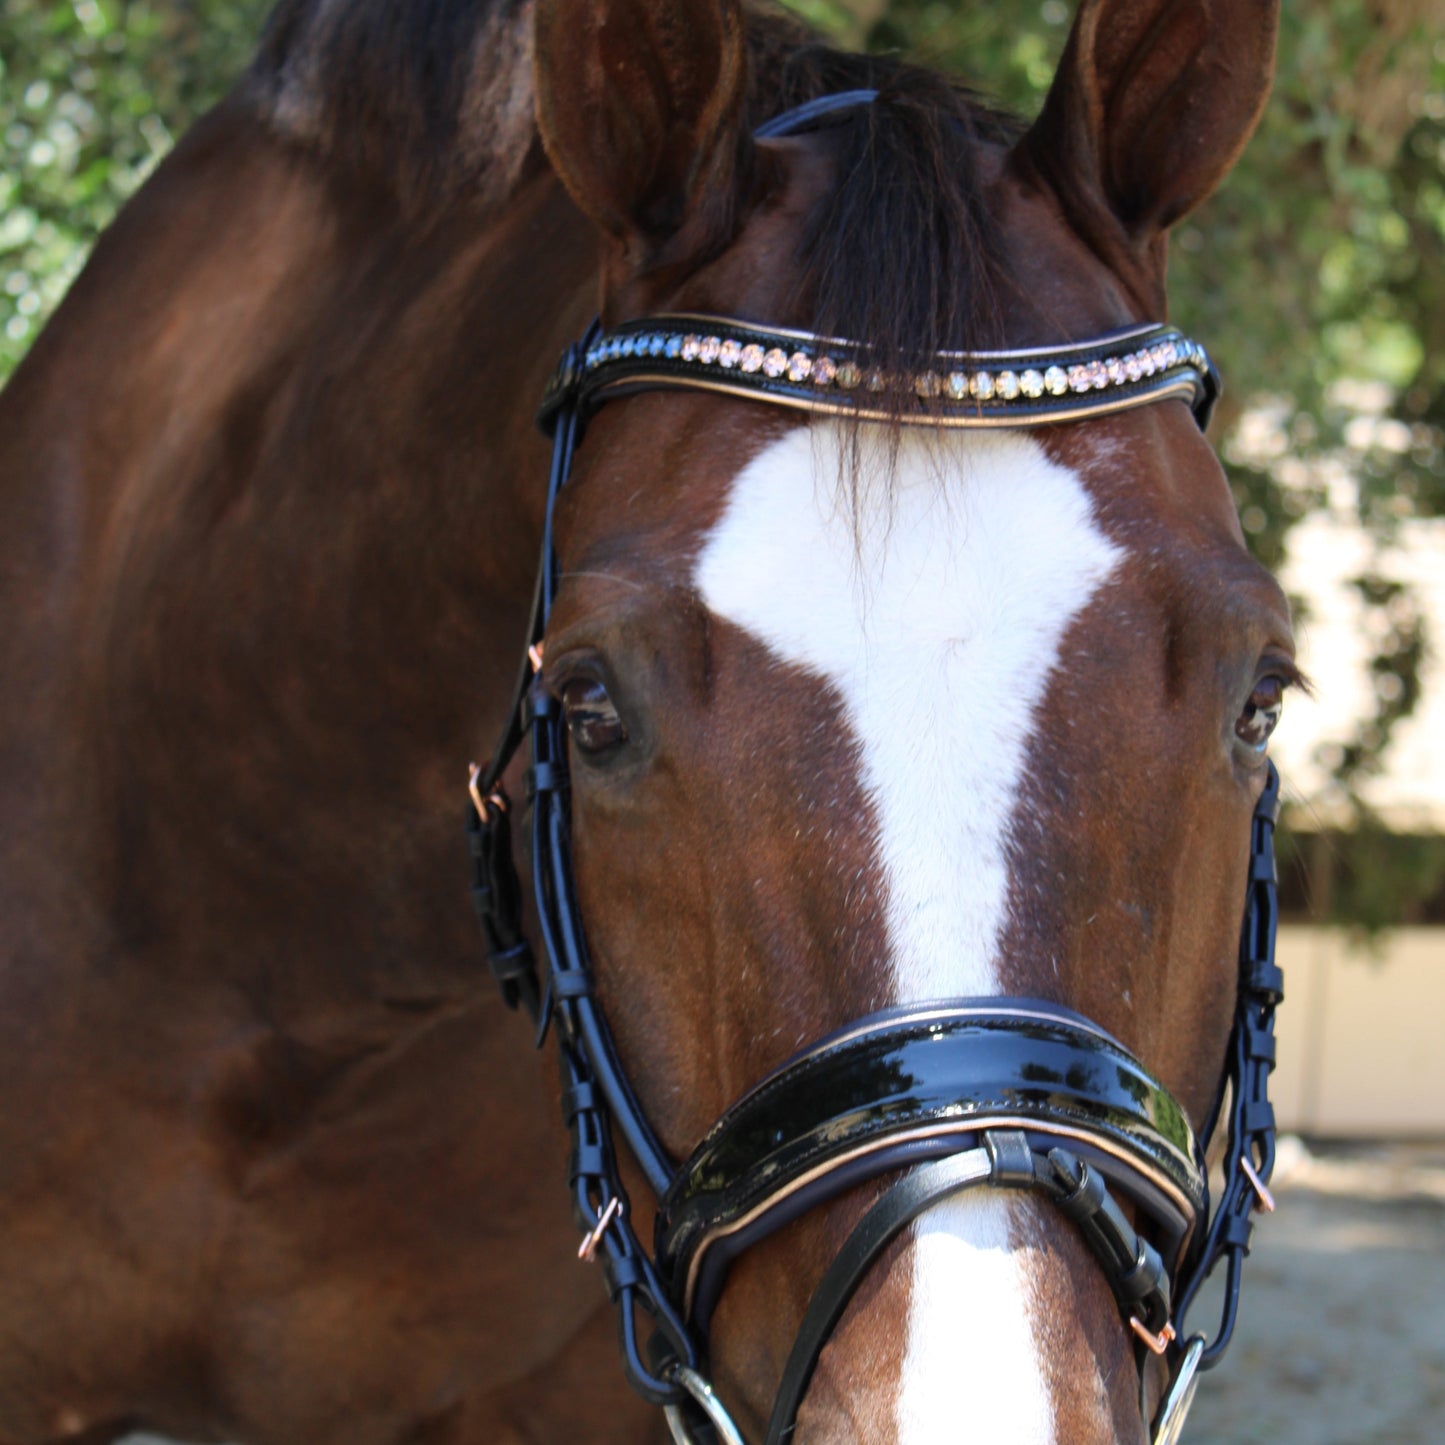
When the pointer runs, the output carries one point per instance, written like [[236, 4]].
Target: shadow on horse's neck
[[324, 521]]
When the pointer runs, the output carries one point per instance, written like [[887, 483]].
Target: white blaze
[[937, 615]]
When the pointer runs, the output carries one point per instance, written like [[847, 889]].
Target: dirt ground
[[1342, 1330], [1341, 1339]]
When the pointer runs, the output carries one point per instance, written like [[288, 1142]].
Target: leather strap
[[1134, 1271], [899, 1206], [790, 122], [1244, 1091], [913, 1083]]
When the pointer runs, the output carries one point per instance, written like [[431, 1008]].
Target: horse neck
[[276, 502]]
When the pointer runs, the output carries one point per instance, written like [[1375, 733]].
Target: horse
[[854, 710]]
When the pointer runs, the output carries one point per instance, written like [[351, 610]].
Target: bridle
[[1012, 1093]]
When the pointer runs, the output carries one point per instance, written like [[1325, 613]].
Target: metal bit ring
[[1180, 1396], [707, 1400]]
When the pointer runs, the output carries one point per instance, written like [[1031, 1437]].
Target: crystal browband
[[962, 389]]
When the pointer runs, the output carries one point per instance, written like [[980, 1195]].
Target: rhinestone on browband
[[790, 368]]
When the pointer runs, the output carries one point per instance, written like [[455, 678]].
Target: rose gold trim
[[1261, 1189], [588, 1248], [496, 797], [1158, 1343], [975, 1124]]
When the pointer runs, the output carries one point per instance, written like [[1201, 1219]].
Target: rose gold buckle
[[1158, 1343], [534, 655], [1261, 1190], [496, 797], [588, 1247]]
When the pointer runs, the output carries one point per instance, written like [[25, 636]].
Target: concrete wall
[[1362, 1039]]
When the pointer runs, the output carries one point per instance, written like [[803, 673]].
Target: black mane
[[434, 97], [903, 253]]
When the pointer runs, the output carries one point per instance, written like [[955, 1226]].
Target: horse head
[[864, 715], [898, 746]]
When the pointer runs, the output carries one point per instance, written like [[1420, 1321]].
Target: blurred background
[[1317, 279]]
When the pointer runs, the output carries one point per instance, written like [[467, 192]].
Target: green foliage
[[1369, 879], [92, 94], [1318, 271]]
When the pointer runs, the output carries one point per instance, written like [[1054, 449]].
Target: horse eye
[[1261, 714], [592, 719]]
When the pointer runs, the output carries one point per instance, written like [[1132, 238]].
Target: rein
[[1007, 1093]]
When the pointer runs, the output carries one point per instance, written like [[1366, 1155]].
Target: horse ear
[[1151, 106], [640, 104]]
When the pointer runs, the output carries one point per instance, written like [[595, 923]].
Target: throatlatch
[[1063, 1129]]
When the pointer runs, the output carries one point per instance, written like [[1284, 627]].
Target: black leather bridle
[[1007, 1092]]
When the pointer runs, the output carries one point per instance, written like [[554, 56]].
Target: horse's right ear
[[641, 107]]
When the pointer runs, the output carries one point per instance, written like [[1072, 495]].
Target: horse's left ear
[[640, 104], [1151, 106]]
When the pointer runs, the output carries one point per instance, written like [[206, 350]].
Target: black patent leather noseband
[[1006, 1092]]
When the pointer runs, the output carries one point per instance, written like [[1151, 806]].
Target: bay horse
[[861, 715]]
